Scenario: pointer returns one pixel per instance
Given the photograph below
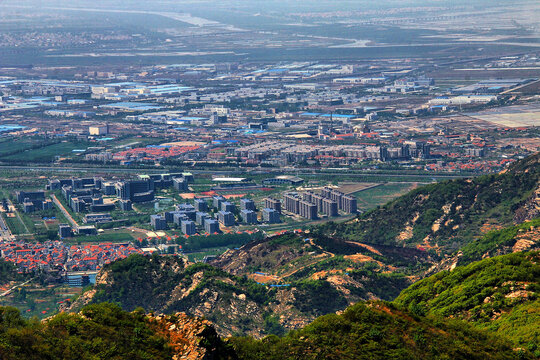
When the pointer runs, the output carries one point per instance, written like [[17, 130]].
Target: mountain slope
[[447, 216], [377, 330], [235, 304], [500, 294], [358, 271], [104, 331]]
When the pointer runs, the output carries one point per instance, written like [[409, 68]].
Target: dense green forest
[[101, 331], [500, 294], [378, 330]]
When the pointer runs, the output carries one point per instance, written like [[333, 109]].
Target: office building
[[179, 217], [201, 217], [292, 203], [247, 204], [158, 222], [330, 207], [271, 203], [226, 218], [125, 205], [227, 206], [201, 205], [270, 216], [211, 226], [180, 184], [307, 210], [64, 231], [188, 227], [349, 204], [248, 216], [217, 200]]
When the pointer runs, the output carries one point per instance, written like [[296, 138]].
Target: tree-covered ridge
[[236, 304], [165, 284], [101, 331], [378, 330], [448, 215], [525, 236], [501, 294]]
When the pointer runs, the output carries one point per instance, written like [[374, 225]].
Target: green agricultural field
[[46, 153], [380, 195], [12, 146], [15, 225], [107, 237]]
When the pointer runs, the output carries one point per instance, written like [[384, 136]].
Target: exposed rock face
[[264, 254], [530, 209], [191, 338]]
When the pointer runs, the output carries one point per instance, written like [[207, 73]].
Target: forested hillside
[[105, 331], [500, 294], [449, 215], [378, 330]]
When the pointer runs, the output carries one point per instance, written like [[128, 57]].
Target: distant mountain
[[501, 294], [447, 216]]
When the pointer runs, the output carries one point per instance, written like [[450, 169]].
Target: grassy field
[[46, 153], [106, 237], [10, 146], [15, 225], [380, 195]]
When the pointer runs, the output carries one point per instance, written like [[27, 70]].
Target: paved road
[[66, 213], [5, 233], [269, 172], [14, 287]]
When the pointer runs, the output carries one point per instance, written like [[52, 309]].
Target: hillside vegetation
[[377, 330], [449, 215], [500, 294], [8, 272], [525, 236], [106, 332], [100, 332], [304, 278]]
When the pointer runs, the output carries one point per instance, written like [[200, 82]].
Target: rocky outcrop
[[530, 209], [191, 338]]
